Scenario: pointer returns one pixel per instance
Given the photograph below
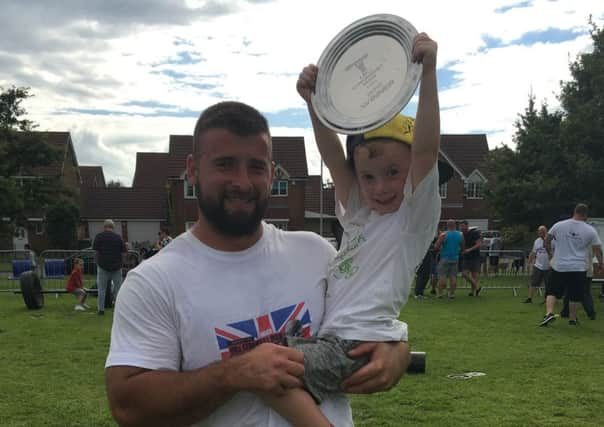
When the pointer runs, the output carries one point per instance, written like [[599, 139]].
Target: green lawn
[[51, 366]]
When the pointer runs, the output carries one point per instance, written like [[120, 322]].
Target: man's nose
[[241, 178]]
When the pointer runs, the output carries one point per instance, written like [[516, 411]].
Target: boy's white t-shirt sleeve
[[353, 204], [144, 332], [420, 210]]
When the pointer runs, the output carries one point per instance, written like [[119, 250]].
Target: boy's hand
[[386, 366], [306, 82], [424, 51]]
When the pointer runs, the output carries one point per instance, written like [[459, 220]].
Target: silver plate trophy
[[366, 76]]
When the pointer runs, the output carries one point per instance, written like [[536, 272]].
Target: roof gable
[[92, 176], [465, 152], [62, 142]]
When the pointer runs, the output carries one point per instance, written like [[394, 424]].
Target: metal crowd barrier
[[53, 267]]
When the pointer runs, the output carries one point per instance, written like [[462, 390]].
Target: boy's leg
[[297, 407]]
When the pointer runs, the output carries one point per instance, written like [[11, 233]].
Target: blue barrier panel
[[54, 268], [20, 266]]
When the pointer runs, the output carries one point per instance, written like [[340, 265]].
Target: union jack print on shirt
[[262, 326]]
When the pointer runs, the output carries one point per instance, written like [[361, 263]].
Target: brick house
[[65, 172], [463, 196]]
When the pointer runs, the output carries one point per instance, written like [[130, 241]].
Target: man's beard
[[232, 223]]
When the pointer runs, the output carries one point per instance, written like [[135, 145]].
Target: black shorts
[[471, 264], [538, 277], [569, 283]]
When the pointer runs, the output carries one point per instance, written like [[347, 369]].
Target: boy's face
[[381, 169]]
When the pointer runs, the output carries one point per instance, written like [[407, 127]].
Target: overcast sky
[[122, 75]]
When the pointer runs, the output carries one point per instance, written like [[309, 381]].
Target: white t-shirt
[[572, 237], [370, 278], [541, 257], [180, 309]]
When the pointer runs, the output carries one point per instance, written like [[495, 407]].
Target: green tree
[[559, 155], [21, 151], [62, 218]]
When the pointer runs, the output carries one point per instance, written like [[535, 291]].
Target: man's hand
[[306, 82], [268, 368], [386, 366]]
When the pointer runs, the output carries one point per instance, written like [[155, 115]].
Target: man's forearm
[[159, 398]]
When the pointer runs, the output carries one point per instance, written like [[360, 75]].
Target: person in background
[[110, 249], [573, 238], [164, 239], [451, 245], [470, 261], [539, 261], [75, 285]]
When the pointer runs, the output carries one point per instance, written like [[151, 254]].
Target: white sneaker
[[86, 306], [80, 308]]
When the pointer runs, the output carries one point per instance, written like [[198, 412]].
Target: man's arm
[[441, 239], [426, 135], [548, 245], [141, 397], [327, 140], [597, 250]]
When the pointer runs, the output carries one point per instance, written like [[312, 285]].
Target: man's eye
[[224, 163], [392, 172], [367, 177]]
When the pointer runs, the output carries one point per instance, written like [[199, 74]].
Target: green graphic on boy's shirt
[[344, 260]]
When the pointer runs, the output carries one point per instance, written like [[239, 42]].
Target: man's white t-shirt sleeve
[[143, 332]]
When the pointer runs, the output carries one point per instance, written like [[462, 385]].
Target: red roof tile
[[123, 203]]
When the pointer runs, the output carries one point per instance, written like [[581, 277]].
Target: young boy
[[75, 284], [387, 201]]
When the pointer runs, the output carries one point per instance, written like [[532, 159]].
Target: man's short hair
[[582, 209], [464, 222], [108, 223], [236, 117]]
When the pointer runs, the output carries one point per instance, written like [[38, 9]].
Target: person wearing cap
[[387, 200], [109, 249]]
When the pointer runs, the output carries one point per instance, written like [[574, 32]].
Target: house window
[[279, 188], [442, 190], [39, 226], [474, 190], [190, 191]]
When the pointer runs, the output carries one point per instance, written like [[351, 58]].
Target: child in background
[[75, 284]]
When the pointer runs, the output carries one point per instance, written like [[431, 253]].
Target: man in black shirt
[[109, 248], [471, 256]]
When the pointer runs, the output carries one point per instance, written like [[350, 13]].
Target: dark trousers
[[423, 275], [587, 302]]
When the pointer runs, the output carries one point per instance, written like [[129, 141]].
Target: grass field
[[51, 366]]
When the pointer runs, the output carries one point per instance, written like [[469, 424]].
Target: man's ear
[[191, 170]]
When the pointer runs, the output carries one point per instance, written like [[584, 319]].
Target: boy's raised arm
[[426, 138], [328, 142]]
